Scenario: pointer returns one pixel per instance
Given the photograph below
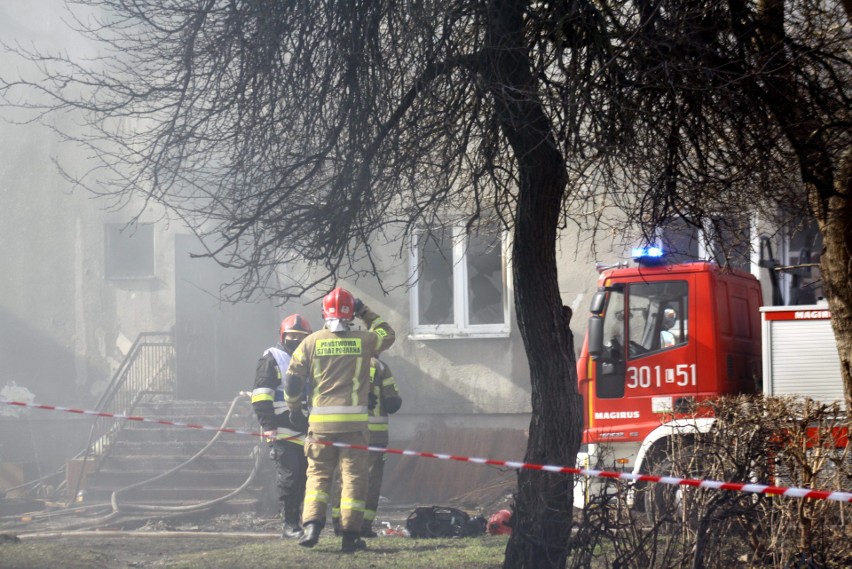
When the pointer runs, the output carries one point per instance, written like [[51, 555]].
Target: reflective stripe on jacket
[[384, 388], [267, 397]]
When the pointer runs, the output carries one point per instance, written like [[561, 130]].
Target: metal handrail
[[148, 369], [139, 356]]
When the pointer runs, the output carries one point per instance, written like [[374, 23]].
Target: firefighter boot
[[367, 531], [311, 535], [351, 542], [338, 529], [292, 529]]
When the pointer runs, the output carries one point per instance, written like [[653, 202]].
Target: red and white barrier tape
[[837, 496]]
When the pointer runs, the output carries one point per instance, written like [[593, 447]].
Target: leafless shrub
[[781, 442]]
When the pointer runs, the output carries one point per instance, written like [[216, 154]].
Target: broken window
[[435, 278], [484, 280], [460, 283]]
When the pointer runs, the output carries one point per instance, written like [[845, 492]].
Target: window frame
[[460, 327], [787, 251]]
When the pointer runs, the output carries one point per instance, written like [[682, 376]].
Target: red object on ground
[[500, 523]]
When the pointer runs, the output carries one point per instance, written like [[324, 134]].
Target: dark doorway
[[217, 343]]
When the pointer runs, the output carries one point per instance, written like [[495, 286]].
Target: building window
[[725, 240], [129, 251], [730, 241], [800, 250], [460, 284]]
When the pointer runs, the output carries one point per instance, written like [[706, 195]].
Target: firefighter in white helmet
[[335, 365], [283, 428]]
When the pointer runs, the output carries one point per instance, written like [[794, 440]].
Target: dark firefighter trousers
[[290, 478]]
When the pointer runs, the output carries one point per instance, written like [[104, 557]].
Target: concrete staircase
[[145, 450]]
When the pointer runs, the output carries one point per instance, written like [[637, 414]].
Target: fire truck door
[[610, 364]]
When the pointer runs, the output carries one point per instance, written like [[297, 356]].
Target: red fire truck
[[661, 337]]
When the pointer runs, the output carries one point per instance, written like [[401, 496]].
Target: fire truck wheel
[[668, 504]]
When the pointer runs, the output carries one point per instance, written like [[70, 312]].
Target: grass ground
[[191, 552]]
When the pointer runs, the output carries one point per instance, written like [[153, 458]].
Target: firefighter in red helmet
[[384, 400], [282, 427], [335, 363]]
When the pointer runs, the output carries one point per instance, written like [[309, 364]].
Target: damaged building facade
[[84, 282]]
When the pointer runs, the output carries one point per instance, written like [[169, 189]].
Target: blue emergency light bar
[[649, 255]]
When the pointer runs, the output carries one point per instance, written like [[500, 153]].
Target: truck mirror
[[595, 335], [598, 301]]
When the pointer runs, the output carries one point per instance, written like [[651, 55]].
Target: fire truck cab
[[660, 337]]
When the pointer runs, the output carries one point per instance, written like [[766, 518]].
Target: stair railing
[[147, 370]]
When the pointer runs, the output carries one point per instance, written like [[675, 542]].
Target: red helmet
[[500, 522], [339, 303], [295, 323]]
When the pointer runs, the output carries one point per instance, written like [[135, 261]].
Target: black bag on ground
[[443, 521]]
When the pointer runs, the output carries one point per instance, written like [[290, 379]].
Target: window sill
[[130, 277], [457, 335]]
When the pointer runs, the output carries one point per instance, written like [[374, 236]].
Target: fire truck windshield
[[655, 319]]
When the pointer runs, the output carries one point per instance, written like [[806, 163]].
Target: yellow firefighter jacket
[[388, 401], [336, 367]]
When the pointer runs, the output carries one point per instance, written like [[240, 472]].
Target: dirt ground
[[81, 541], [148, 544], [132, 549]]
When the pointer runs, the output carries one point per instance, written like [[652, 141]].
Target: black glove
[[359, 307], [372, 401], [299, 420]]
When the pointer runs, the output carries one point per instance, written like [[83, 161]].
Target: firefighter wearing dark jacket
[[384, 401], [283, 428], [335, 363]]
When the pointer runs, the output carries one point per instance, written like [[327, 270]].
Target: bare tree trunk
[[543, 503], [836, 268], [829, 185]]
